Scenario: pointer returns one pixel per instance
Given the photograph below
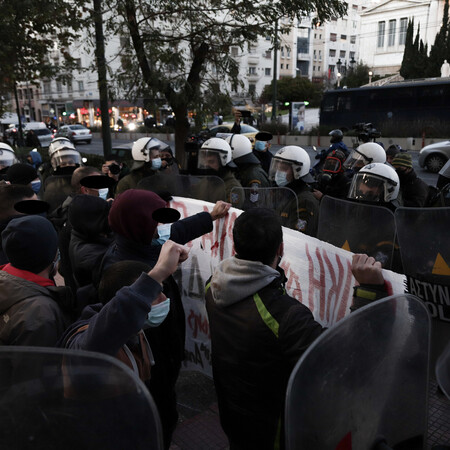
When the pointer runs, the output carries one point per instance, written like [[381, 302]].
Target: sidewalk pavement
[[198, 424]]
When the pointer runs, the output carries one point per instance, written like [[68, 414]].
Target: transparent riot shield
[[363, 381], [281, 199], [207, 188], [56, 189], [63, 399], [424, 239], [359, 228], [443, 371]]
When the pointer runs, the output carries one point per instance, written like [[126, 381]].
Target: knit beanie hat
[[402, 159], [30, 243], [131, 215], [21, 174]]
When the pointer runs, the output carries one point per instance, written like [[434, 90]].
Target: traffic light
[[306, 103], [286, 103]]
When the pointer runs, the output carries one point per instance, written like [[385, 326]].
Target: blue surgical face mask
[[281, 178], [156, 163], [103, 193], [260, 146], [36, 186], [157, 315], [163, 234]]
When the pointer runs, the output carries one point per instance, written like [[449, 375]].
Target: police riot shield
[[64, 399], [443, 371], [281, 199], [207, 188], [363, 381], [424, 239], [56, 189], [359, 228]]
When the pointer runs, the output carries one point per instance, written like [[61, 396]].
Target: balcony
[[253, 59], [252, 77], [303, 56]]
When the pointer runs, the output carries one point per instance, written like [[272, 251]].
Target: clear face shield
[[281, 172], [332, 165], [356, 161], [63, 144], [209, 160], [65, 158], [369, 188]]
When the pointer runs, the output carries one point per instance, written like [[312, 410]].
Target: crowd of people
[[116, 245]]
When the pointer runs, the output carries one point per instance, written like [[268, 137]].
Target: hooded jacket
[[32, 314], [90, 239], [258, 333]]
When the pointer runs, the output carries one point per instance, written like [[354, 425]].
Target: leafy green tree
[[359, 76], [440, 50], [406, 68], [181, 45], [293, 89], [30, 30]]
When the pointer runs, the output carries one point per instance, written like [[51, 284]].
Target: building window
[[315, 35], [342, 54], [268, 54], [344, 37], [78, 63], [318, 68], [351, 55], [252, 70], [332, 52], [331, 69], [315, 55], [267, 38], [333, 37], [19, 91], [287, 66], [288, 52], [69, 86], [281, 66], [352, 39], [320, 55], [403, 27], [320, 36], [267, 71], [81, 86], [314, 68], [391, 35], [251, 88], [47, 87], [355, 24], [58, 86], [355, 7], [282, 51], [381, 29], [234, 51]]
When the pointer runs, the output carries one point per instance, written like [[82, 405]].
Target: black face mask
[[169, 161]]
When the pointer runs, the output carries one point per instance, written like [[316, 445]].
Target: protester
[[37, 311]]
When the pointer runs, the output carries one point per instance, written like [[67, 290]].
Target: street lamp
[[338, 79], [339, 64], [352, 63], [370, 76]]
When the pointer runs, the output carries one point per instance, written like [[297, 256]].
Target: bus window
[[405, 98], [344, 103], [328, 104]]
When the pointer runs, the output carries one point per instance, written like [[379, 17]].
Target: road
[[96, 148]]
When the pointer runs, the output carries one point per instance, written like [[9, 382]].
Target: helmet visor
[[368, 187], [356, 161], [280, 165], [65, 158], [7, 159], [209, 159], [61, 144], [332, 165]]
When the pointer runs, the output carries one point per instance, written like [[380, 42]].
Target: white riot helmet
[[241, 149], [375, 182], [366, 153], [293, 157], [142, 148], [60, 143], [7, 156], [65, 157], [215, 153]]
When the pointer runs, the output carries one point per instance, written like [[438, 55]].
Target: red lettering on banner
[[347, 289], [333, 297], [293, 282], [180, 205], [316, 283], [198, 323]]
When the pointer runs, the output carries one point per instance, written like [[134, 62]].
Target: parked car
[[44, 135], [434, 156], [225, 129], [76, 133]]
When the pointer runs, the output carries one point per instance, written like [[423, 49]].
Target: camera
[[114, 168], [366, 132]]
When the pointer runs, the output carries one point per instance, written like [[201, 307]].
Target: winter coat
[[258, 333], [32, 314]]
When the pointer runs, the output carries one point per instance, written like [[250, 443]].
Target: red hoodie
[[25, 274]]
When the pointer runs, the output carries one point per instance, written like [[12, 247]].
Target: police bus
[[402, 108]]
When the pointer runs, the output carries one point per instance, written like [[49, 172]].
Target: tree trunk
[[181, 133]]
